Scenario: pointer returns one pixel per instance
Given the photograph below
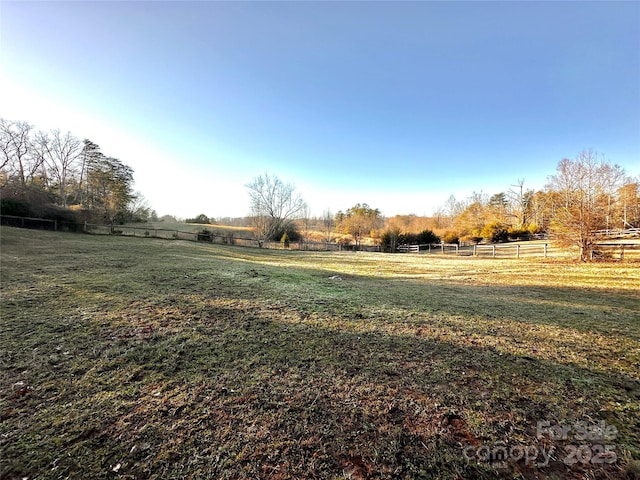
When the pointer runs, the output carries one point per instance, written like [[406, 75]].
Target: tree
[[472, 220], [521, 203], [586, 187], [328, 223], [305, 224], [391, 239], [358, 221], [110, 186], [89, 155], [452, 209], [138, 210], [629, 204], [40, 170], [202, 218], [60, 154], [497, 209], [19, 164], [274, 206]]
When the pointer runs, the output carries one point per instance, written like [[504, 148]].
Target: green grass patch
[[141, 358]]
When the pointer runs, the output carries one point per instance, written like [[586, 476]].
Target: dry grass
[[143, 358]]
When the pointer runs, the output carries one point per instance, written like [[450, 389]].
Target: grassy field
[[147, 358]]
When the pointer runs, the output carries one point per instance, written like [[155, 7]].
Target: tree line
[[55, 174], [587, 194]]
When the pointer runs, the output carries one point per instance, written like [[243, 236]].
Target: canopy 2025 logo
[[580, 442]]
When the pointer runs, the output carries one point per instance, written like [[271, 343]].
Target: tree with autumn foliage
[[586, 188], [358, 221]]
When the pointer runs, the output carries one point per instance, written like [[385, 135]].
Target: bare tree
[[273, 205], [18, 160], [586, 187], [328, 224], [139, 209], [6, 146], [60, 154], [453, 208], [305, 225], [520, 200]]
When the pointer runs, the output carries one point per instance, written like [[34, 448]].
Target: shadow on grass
[[214, 369], [254, 390]]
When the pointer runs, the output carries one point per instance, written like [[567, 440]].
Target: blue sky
[[396, 104]]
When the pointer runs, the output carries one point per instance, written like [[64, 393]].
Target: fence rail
[[506, 250], [517, 250], [451, 248], [616, 251], [618, 232], [28, 222]]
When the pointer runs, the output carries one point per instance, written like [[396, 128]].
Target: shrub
[[450, 237], [496, 232], [15, 207], [422, 238], [519, 233], [288, 228], [427, 236], [390, 240], [66, 218]]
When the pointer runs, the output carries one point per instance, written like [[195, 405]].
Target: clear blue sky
[[398, 105]]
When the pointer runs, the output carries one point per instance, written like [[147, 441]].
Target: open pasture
[[144, 358]]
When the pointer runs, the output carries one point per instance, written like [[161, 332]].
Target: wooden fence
[[444, 248], [515, 250], [503, 250], [28, 222], [616, 251], [618, 232], [605, 250]]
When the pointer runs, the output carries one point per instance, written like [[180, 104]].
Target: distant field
[[144, 358], [176, 231]]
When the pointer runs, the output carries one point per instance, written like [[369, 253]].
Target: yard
[[148, 358]]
